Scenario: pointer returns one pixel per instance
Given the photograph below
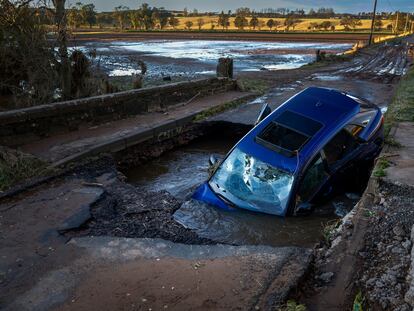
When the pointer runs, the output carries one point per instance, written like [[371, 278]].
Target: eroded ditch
[[155, 199]]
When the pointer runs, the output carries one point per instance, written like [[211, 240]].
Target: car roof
[[328, 107]]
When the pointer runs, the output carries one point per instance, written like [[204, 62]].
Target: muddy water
[[182, 170]]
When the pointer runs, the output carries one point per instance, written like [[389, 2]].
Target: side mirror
[[264, 112], [212, 161]]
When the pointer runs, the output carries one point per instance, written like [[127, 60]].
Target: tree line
[[146, 17]]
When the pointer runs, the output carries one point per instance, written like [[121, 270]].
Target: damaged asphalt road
[[42, 267]]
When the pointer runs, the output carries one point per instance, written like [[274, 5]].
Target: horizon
[[352, 6]]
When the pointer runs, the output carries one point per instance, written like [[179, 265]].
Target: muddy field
[[177, 60]]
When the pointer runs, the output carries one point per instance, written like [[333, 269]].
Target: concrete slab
[[144, 274], [113, 135], [403, 169]]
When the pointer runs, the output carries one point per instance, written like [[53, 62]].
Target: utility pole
[[373, 22]]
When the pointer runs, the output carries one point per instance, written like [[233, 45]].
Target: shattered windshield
[[251, 183]]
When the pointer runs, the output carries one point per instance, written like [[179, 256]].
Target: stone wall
[[25, 125]]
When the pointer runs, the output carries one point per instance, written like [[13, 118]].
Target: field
[[210, 21]]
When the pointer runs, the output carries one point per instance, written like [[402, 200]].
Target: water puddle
[[326, 77], [180, 171]]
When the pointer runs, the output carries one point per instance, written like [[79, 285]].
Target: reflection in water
[[244, 227], [181, 170]]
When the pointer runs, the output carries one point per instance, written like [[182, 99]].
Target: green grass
[[382, 165], [252, 85], [15, 167], [292, 305], [358, 302], [402, 107], [328, 229], [218, 109]]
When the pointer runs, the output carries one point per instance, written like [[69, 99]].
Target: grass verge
[[402, 107], [219, 109], [16, 167], [252, 85]]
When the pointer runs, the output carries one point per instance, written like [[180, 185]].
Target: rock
[[404, 307], [409, 297], [348, 224], [406, 244], [412, 233], [398, 230], [326, 277]]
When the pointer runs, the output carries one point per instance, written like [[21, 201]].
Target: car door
[[313, 182], [340, 154]]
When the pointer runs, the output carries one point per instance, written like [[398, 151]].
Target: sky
[[352, 6]]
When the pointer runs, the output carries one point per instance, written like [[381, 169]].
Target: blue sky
[[218, 5]]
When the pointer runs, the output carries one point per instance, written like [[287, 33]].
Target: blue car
[[298, 155]]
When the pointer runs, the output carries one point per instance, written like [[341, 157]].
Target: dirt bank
[[170, 35]]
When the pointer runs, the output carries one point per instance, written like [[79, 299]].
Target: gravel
[[386, 256]]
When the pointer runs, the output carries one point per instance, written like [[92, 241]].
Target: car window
[[339, 147], [312, 180]]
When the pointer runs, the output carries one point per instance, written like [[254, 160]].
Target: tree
[[326, 25], [291, 21], [240, 22], [348, 22], [270, 23], [223, 20], [145, 14], [88, 14], [174, 22], [185, 12], [200, 23], [74, 17], [314, 26], [254, 22], [104, 19], [164, 17], [356, 23], [188, 25], [121, 16], [28, 66], [134, 19], [378, 24]]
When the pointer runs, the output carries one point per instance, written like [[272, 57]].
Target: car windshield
[[252, 184]]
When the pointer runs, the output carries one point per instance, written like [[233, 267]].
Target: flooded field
[[197, 58], [180, 171]]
